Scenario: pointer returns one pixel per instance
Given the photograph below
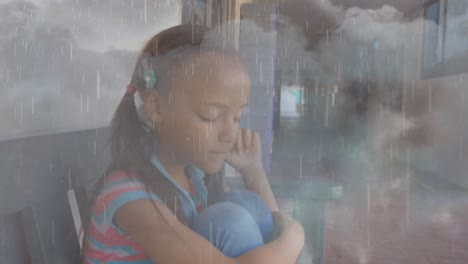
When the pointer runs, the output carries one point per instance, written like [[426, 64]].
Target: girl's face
[[198, 120]]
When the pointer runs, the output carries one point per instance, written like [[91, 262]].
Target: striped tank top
[[107, 243]]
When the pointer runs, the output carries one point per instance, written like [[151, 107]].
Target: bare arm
[[255, 179], [246, 156], [167, 240]]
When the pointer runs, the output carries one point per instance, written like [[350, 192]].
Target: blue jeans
[[238, 222]]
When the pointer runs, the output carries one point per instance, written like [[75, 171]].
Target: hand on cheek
[[247, 151]]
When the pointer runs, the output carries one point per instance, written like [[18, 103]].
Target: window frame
[[442, 67]]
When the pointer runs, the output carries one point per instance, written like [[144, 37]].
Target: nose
[[229, 130]]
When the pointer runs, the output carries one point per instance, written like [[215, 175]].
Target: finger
[[255, 138], [239, 142], [247, 139], [234, 146]]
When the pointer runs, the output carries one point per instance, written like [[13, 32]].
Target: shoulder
[[120, 179], [117, 183], [119, 189]]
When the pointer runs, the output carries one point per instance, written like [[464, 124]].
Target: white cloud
[[366, 25]]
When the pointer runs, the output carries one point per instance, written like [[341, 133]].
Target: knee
[[225, 215], [229, 227], [248, 200], [257, 208]]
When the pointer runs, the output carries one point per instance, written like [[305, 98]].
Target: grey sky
[[65, 63]]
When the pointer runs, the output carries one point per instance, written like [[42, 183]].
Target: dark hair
[[132, 145]]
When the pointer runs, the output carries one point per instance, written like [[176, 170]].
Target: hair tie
[[150, 79], [148, 75], [130, 89]]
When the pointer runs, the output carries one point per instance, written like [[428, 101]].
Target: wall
[[38, 167], [237, 18], [439, 140]]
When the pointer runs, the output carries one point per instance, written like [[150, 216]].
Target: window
[[445, 49], [431, 50], [193, 12]]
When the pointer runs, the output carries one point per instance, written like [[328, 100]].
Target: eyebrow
[[220, 105]]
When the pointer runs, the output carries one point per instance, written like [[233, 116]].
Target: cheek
[[202, 135], [175, 129], [193, 135]]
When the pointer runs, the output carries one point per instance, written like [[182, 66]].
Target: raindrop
[[71, 51], [21, 113], [462, 97], [368, 214], [461, 148], [261, 73], [95, 148], [98, 85], [300, 165], [326, 110], [70, 185], [53, 231], [408, 183], [430, 99], [145, 11], [297, 71]]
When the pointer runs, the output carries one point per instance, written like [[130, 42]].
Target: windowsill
[[296, 189]]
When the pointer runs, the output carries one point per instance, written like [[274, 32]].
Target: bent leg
[[229, 227], [256, 206]]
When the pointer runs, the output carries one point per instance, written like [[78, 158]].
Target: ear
[[152, 106]]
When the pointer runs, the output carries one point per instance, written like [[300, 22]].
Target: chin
[[211, 168]]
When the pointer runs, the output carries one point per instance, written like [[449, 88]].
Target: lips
[[219, 152], [219, 155]]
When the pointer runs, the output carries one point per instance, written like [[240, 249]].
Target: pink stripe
[[108, 236], [103, 202], [129, 184], [103, 257], [108, 251], [117, 175], [99, 234]]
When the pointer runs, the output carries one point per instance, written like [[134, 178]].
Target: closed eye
[[208, 120]]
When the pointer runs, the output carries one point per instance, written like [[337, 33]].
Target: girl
[[179, 121]]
